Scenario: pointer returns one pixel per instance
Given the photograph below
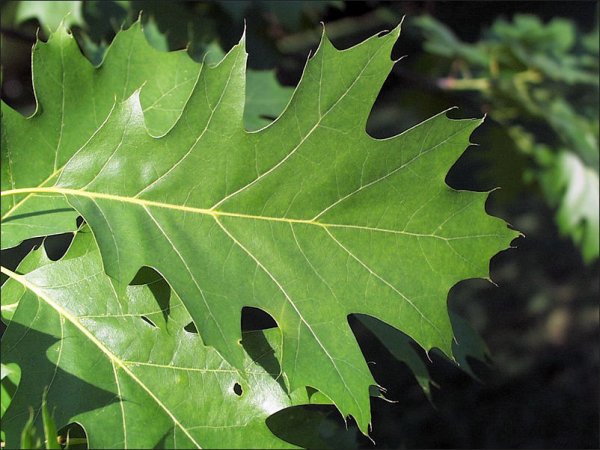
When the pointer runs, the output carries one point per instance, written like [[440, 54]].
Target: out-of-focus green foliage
[[194, 25], [30, 437], [51, 13], [289, 14], [541, 82]]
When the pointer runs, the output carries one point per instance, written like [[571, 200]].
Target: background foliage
[[532, 67]]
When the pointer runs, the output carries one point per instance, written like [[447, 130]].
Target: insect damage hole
[[254, 319], [191, 328], [237, 389]]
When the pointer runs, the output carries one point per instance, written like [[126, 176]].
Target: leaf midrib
[[216, 214]]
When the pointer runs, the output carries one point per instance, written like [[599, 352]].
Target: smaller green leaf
[[399, 345], [467, 344], [29, 436]]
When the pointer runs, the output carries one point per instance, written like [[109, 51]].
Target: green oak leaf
[[117, 358], [309, 219]]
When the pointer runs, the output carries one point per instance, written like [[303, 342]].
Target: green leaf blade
[[309, 219]]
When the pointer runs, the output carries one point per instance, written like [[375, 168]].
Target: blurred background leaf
[[539, 81]]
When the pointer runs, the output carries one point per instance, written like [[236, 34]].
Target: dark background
[[540, 389]]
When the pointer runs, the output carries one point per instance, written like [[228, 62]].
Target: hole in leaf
[[146, 275], [191, 328], [148, 321], [72, 436], [237, 389], [256, 319], [57, 245]]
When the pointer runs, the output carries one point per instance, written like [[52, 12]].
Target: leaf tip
[[398, 28], [323, 42], [400, 59], [489, 279], [322, 29], [243, 38], [62, 31], [139, 18], [369, 437]]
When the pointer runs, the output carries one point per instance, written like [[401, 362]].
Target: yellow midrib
[[143, 202], [209, 212]]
